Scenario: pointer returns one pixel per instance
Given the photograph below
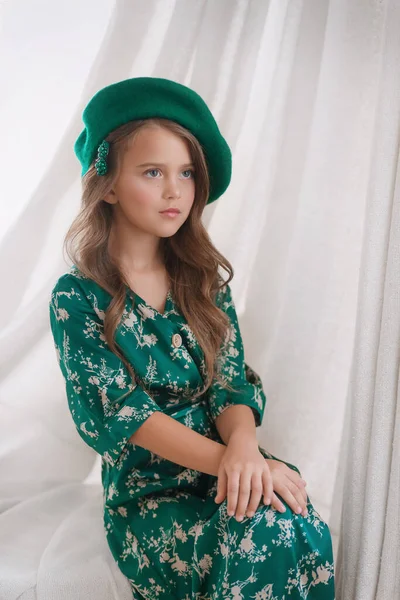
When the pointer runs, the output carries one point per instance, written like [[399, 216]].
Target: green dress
[[164, 530]]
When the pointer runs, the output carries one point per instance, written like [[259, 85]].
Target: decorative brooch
[[101, 159]]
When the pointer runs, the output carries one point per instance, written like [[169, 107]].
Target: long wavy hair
[[190, 258]]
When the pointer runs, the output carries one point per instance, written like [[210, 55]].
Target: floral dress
[[164, 530]]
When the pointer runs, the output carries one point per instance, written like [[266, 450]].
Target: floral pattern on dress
[[163, 528]]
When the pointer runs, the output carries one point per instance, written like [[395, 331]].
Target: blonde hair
[[191, 260]]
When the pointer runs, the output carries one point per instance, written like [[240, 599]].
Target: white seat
[[53, 546]]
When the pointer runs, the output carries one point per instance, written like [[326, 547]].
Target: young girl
[[148, 341]]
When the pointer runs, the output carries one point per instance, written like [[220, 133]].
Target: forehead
[[158, 144]]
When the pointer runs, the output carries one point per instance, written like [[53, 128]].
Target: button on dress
[[176, 340], [164, 530]]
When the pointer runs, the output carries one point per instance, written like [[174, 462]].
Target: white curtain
[[307, 95], [369, 469]]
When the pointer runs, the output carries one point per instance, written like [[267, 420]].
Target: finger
[[244, 493], [233, 491], [298, 494], [297, 480], [304, 494], [221, 486], [277, 503], [256, 493], [294, 476], [303, 491], [268, 486], [300, 483], [289, 498]]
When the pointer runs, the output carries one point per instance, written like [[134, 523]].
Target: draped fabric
[[368, 477], [307, 96]]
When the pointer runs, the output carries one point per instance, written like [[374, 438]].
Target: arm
[[174, 441], [230, 410], [236, 414], [238, 420], [110, 411]]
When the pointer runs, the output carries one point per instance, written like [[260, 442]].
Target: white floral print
[[166, 533]]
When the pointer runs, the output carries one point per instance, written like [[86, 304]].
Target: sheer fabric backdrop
[[307, 95]]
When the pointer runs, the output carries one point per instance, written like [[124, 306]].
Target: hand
[[244, 473], [289, 485]]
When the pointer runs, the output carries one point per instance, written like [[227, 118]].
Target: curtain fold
[[307, 96], [369, 548]]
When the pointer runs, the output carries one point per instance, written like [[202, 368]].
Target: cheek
[[138, 192]]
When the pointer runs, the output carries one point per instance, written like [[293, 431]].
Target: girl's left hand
[[243, 474]]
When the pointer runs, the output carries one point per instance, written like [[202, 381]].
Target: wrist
[[244, 436], [219, 451]]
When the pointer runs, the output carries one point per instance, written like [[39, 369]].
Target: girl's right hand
[[289, 485]]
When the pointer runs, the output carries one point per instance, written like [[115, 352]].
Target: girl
[[148, 341]]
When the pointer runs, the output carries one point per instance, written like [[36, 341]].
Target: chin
[[163, 234], [169, 229]]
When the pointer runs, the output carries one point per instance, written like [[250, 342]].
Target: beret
[[147, 97]]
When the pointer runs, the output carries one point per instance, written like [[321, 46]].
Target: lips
[[171, 210]]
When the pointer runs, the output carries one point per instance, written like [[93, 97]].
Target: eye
[[152, 171], [188, 171]]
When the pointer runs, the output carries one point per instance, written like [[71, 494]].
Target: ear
[[111, 198]]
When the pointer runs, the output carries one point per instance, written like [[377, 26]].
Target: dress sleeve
[[234, 369], [106, 406]]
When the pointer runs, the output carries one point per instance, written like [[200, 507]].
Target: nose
[[172, 187]]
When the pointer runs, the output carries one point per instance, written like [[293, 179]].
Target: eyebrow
[[163, 164]]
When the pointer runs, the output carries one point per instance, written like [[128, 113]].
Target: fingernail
[[240, 518], [298, 509], [250, 514]]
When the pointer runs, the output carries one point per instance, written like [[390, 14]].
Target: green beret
[[147, 97]]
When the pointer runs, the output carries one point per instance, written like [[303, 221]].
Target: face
[[157, 173]]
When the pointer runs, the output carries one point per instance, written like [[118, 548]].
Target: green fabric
[[165, 532], [146, 97]]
